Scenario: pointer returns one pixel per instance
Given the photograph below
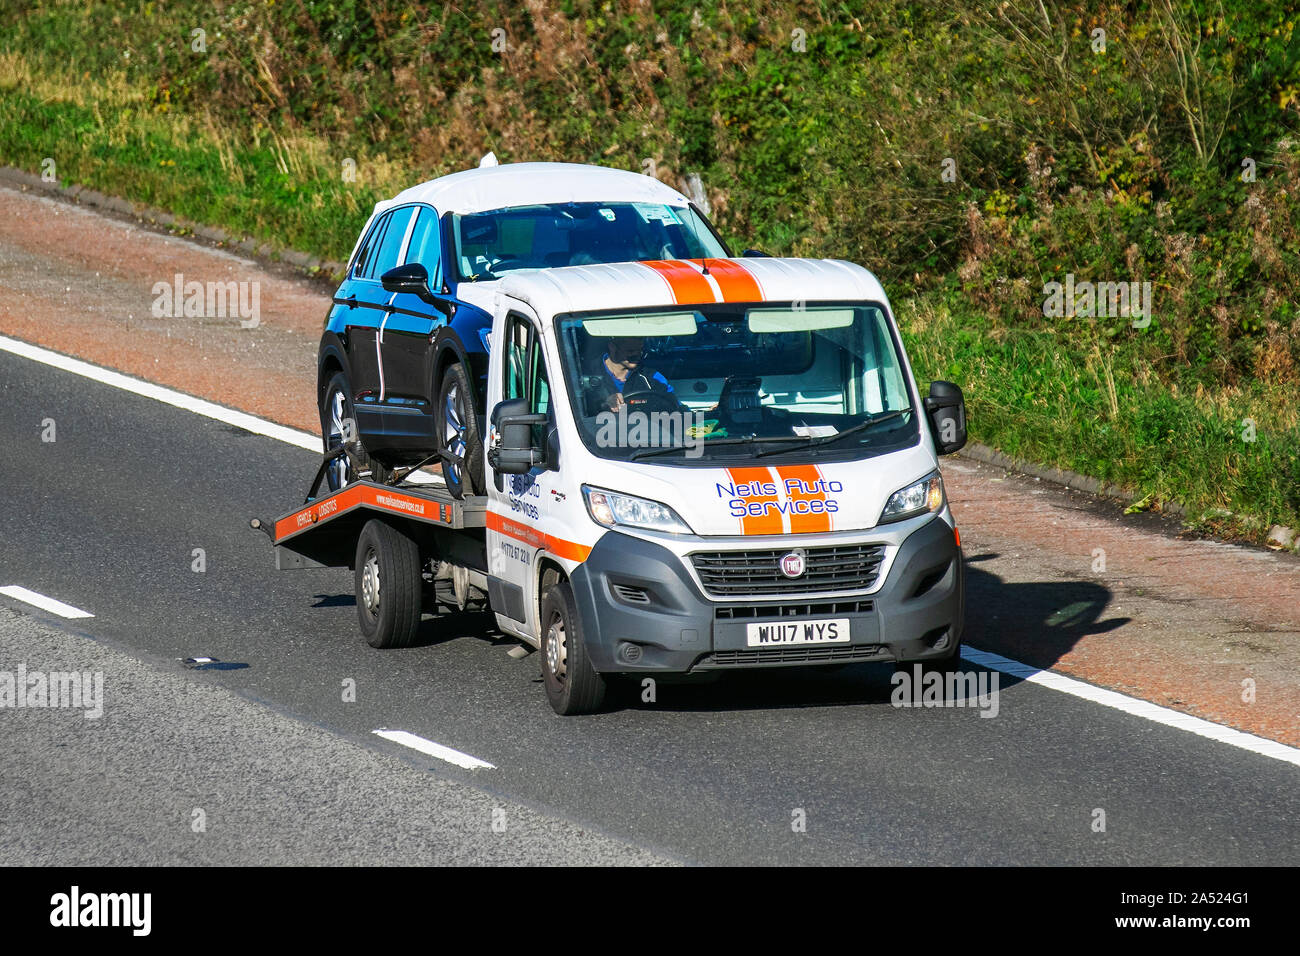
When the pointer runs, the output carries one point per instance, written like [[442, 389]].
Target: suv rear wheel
[[338, 426]]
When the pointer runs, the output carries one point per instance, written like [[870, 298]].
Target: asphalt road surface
[[768, 768]]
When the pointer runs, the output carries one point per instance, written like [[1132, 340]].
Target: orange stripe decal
[[569, 550], [757, 481], [686, 284], [801, 483], [735, 281]]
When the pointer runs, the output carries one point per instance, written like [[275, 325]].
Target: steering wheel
[[654, 401]]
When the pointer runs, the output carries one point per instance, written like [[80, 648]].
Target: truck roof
[[683, 282], [524, 184]]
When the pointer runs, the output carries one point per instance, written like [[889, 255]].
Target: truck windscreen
[[732, 381]]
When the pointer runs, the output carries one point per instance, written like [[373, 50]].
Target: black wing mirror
[[514, 453], [947, 410], [414, 278]]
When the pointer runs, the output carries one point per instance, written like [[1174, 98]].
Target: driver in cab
[[621, 374]]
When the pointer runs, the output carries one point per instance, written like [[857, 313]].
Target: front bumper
[[643, 614]]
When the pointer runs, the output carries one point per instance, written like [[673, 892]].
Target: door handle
[[351, 302]]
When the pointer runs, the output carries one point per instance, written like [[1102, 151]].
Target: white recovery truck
[[692, 466]]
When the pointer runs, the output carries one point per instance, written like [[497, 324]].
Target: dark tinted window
[[424, 247], [365, 254], [386, 256], [570, 234]]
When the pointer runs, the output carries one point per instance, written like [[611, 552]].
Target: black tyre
[[389, 586], [572, 685], [458, 434], [338, 425]]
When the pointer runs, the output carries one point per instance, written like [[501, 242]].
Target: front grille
[[848, 567], [791, 655], [731, 612]]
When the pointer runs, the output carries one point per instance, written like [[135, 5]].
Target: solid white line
[[43, 602], [300, 439], [1131, 705], [434, 750], [258, 426]]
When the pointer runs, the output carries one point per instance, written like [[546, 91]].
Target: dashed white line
[[1131, 705], [301, 439], [19, 593], [432, 749]]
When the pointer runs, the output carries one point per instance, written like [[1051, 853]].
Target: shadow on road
[[1031, 622]]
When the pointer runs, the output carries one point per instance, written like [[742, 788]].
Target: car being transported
[[403, 360]]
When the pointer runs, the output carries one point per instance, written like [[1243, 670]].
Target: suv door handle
[[351, 301]]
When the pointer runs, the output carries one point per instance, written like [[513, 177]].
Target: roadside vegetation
[[966, 152]]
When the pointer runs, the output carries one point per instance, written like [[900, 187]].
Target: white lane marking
[[258, 426], [434, 750], [1131, 705], [43, 602], [1066, 685]]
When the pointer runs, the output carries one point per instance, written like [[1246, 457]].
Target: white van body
[[775, 559]]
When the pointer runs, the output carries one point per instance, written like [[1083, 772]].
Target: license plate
[[789, 633]]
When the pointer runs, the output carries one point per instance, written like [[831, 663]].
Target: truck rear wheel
[[573, 686], [389, 585]]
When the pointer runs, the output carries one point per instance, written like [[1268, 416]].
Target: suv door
[[408, 337], [371, 315]]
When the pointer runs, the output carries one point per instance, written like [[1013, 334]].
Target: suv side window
[[366, 254], [425, 246], [390, 246]]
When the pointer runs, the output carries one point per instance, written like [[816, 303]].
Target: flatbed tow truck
[[691, 466]]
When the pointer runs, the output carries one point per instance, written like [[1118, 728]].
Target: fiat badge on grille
[[793, 564]]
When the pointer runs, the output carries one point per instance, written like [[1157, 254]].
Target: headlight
[[925, 495], [610, 509]]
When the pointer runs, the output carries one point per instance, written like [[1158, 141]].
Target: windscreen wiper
[[828, 439], [773, 440], [737, 440]]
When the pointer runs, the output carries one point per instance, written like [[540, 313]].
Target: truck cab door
[[516, 506]]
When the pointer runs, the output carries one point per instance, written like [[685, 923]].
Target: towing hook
[[257, 524]]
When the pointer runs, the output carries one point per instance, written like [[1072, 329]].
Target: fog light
[[630, 653]]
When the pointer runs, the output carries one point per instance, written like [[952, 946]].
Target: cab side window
[[517, 335], [525, 370], [425, 246]]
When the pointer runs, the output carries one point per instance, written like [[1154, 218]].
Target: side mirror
[[947, 410], [756, 254], [514, 453], [411, 278]]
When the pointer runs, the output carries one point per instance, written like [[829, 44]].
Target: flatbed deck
[[323, 532]]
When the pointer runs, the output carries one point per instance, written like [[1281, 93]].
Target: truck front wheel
[[573, 686]]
